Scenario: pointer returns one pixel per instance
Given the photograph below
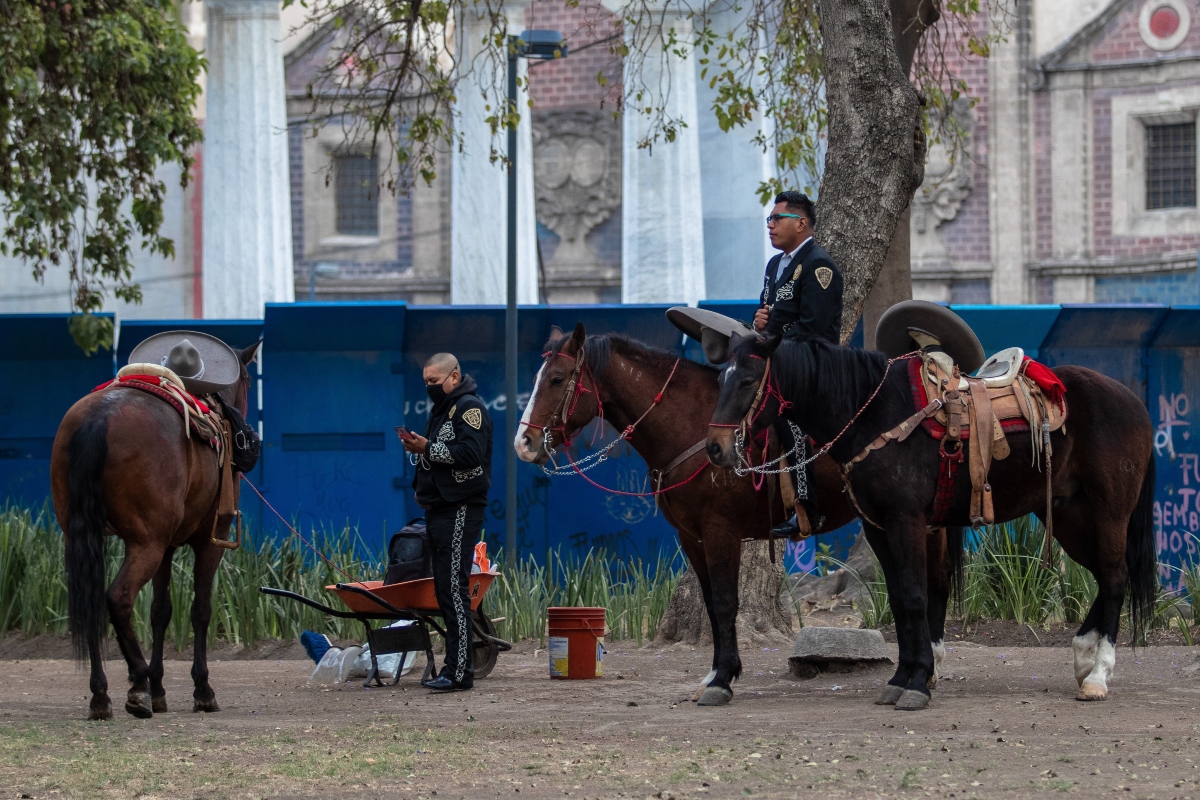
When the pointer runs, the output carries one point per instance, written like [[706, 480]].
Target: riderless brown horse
[[1102, 496], [122, 465], [663, 403]]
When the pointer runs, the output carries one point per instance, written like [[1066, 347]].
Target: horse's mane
[[846, 375], [598, 351]]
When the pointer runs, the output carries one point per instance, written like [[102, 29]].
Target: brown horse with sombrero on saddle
[[150, 457], [920, 445]]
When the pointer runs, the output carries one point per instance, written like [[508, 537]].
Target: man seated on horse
[[801, 299], [454, 473]]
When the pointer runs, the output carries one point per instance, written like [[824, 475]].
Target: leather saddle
[[998, 399]]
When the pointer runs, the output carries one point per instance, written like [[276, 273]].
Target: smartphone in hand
[[404, 432]]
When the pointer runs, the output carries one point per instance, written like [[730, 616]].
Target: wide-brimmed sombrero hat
[[204, 363], [710, 329], [897, 326]]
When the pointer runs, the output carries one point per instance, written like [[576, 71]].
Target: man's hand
[[415, 444], [760, 318]]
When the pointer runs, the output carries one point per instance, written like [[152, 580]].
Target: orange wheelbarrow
[[411, 600]]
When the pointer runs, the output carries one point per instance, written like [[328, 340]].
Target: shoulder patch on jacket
[[453, 408], [824, 276], [473, 417]]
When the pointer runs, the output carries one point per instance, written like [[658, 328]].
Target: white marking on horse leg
[[1095, 685], [524, 452], [707, 679], [939, 655], [1085, 654]]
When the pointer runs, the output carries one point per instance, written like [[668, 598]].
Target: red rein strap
[[626, 434]]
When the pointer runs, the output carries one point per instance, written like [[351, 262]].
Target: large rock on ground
[[820, 650]]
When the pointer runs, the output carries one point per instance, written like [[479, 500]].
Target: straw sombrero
[[896, 329], [205, 363], [710, 329]]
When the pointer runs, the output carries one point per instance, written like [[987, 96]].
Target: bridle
[[768, 389], [566, 409]]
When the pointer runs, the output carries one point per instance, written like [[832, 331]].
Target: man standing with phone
[[454, 473], [801, 299]]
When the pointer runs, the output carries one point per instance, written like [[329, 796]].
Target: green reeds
[[33, 592], [634, 594]]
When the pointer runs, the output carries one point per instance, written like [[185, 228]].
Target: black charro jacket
[[807, 301], [457, 464]]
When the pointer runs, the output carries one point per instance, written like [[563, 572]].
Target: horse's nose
[[714, 452]]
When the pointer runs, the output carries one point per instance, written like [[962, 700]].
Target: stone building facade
[[1084, 149], [1076, 183]]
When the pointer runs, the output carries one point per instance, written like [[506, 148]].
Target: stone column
[[662, 211], [1009, 163], [736, 245], [247, 206], [479, 187]]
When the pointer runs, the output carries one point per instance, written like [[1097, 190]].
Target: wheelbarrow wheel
[[486, 653]]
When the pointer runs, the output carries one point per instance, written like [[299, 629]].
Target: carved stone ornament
[[947, 183], [576, 175]]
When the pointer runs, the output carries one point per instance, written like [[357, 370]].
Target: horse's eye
[[747, 382], [556, 380]]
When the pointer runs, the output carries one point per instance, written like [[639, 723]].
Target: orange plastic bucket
[[576, 642]]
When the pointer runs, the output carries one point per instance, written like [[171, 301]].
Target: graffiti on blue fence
[[1176, 515]]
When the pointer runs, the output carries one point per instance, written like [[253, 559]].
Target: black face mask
[[436, 392]]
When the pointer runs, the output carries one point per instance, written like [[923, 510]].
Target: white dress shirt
[[787, 260]]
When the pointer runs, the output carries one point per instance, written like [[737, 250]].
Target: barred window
[[356, 182], [1171, 165]]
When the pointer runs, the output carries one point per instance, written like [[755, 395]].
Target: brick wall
[[968, 236], [1121, 41], [1106, 244], [573, 82]]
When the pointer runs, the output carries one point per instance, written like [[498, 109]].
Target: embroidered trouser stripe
[[460, 614]]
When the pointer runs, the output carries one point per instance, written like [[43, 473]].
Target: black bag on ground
[[409, 558]]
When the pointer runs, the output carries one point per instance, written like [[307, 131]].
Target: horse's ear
[[767, 345], [556, 333], [250, 353], [578, 337]]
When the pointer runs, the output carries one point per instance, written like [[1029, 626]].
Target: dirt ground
[[1004, 723]]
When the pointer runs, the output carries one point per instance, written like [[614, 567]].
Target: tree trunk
[[761, 615], [894, 283], [910, 20], [876, 154]]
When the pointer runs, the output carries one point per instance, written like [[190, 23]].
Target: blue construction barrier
[[336, 378], [45, 373]]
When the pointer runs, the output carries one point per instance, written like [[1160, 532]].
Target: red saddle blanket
[[1040, 374], [197, 409]]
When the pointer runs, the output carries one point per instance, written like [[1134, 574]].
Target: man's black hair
[[799, 202]]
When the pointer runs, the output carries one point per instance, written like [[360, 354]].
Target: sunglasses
[[774, 218]]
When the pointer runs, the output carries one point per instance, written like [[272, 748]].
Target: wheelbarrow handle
[[299, 598]]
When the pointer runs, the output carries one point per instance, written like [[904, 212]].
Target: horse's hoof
[[699, 693], [715, 696], [889, 695], [912, 700], [100, 711], [209, 705], [159, 704], [139, 705], [1091, 691], [932, 682]]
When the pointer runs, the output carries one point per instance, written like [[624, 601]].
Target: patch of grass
[[909, 779]]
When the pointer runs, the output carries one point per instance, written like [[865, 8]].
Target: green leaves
[[93, 99]]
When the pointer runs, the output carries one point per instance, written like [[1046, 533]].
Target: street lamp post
[[545, 45]]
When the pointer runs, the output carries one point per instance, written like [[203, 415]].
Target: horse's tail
[[955, 556], [87, 520], [1141, 557]]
